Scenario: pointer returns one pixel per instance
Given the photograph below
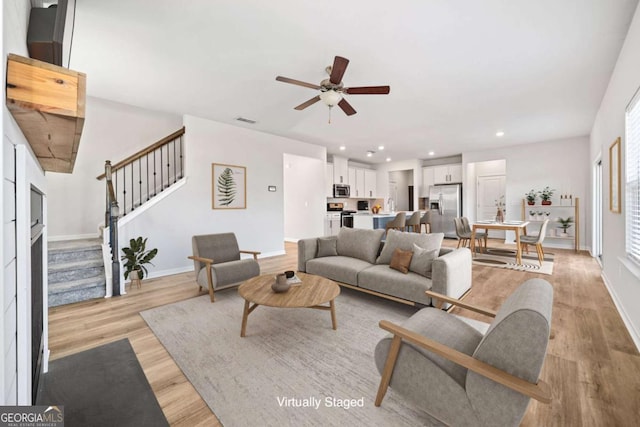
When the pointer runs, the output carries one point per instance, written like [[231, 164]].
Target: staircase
[[76, 271]]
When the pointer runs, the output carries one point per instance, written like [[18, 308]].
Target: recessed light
[[388, 159], [369, 153], [342, 148], [380, 147], [431, 153], [500, 133]]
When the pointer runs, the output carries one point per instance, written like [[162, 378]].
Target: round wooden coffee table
[[313, 291]]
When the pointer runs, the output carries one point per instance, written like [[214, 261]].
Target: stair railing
[[143, 175], [139, 177], [111, 220]]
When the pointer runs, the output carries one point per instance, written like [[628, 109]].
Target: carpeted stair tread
[[72, 265], [71, 245], [88, 282]]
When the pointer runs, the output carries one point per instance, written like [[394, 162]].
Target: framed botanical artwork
[[614, 176], [229, 186]]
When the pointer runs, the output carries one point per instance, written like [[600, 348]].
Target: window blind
[[632, 181]]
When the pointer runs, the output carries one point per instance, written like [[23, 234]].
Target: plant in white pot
[[565, 223], [135, 257]]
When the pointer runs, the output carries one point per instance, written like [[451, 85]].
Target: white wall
[[622, 277], [170, 224], [382, 175], [112, 131], [563, 165], [304, 201], [15, 386]]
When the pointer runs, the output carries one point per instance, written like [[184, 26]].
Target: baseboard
[[186, 269], [72, 237], [635, 336]]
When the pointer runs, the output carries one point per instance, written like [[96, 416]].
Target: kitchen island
[[374, 221]]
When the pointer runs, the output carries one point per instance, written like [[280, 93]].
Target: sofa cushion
[[402, 240], [422, 260], [338, 268], [359, 243], [327, 246], [400, 260], [381, 278]]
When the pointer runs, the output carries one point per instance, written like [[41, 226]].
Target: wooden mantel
[[48, 103]]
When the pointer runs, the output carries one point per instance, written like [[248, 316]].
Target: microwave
[[340, 190]]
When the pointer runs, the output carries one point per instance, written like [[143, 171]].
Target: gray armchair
[[217, 263], [465, 372]]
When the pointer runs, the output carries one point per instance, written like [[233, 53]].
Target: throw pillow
[[400, 260], [359, 243], [422, 260], [327, 246], [401, 240]]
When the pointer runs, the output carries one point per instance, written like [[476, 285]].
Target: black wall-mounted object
[[46, 32]]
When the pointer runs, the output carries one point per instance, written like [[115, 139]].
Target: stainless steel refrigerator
[[445, 203]]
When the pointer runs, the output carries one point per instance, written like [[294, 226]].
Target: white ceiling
[[459, 70]]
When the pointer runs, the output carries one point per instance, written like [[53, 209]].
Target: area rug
[[505, 258], [292, 368], [103, 386]]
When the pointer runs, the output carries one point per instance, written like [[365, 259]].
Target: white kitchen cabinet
[[352, 181], [447, 174], [340, 170], [357, 182], [332, 224], [329, 180], [370, 183], [428, 180]]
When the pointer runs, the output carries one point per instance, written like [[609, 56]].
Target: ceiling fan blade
[[367, 90], [346, 107], [308, 103], [297, 82], [338, 69]]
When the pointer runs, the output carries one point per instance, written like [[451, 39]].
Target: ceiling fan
[[332, 89]]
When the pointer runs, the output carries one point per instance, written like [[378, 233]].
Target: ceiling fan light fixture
[[330, 97]]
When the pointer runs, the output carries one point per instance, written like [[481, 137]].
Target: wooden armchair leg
[[210, 280], [394, 349]]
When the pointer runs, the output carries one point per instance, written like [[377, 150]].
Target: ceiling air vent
[[245, 120]]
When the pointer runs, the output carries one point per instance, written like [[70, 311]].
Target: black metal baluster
[[124, 191], [140, 181], [168, 166], [181, 165], [147, 159], [155, 185], [161, 169], [175, 173]]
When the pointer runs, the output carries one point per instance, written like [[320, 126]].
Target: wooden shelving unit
[[557, 210]]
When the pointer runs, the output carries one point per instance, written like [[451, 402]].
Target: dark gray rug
[[104, 386]]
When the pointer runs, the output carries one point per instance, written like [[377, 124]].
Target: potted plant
[[545, 195], [135, 257], [565, 223], [531, 197]]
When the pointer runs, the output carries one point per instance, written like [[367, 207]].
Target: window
[[632, 205]]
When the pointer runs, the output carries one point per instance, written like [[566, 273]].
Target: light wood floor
[[592, 364]]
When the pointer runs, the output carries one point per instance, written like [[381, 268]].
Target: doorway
[[597, 211], [491, 190]]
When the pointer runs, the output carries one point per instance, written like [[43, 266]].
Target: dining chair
[[525, 241], [426, 220], [413, 223], [397, 223], [481, 236]]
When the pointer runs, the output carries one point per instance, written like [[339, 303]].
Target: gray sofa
[[357, 259]]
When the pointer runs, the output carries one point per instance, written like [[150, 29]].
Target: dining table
[[518, 227]]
